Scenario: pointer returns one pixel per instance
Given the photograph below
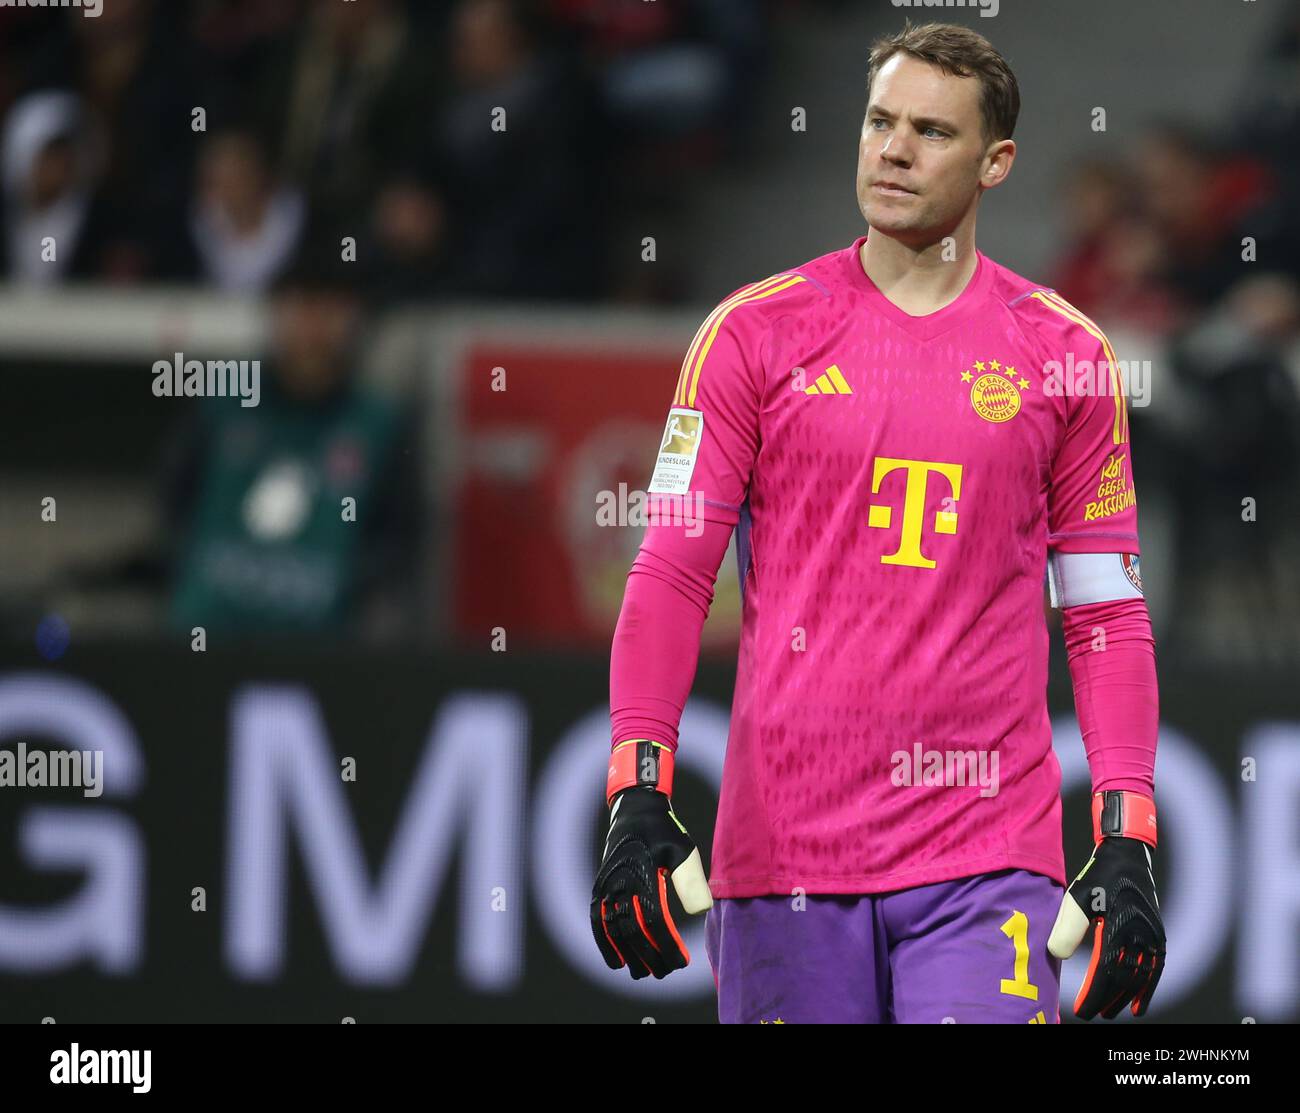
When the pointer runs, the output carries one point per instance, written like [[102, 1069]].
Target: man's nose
[[896, 150]]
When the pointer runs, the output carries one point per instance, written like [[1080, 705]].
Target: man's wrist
[[1123, 814], [639, 762]]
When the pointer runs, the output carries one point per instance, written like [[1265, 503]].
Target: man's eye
[[936, 131]]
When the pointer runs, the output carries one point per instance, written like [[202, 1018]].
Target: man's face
[[231, 175], [312, 333], [53, 173], [921, 132]]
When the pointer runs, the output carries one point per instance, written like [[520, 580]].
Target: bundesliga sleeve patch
[[678, 451]]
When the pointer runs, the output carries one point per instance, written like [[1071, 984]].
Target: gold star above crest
[[995, 365], [1011, 371], [1024, 383], [966, 376], [979, 366]]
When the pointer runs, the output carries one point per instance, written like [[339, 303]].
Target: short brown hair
[[961, 52]]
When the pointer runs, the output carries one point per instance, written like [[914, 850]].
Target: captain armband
[[1078, 578]]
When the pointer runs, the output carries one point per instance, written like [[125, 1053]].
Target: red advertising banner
[[549, 435]]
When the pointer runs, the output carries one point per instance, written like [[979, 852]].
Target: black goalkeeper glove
[[647, 844], [1115, 892]]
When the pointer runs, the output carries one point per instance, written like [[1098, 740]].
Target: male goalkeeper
[[904, 435]]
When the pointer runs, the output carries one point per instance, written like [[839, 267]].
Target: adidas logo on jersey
[[829, 381]]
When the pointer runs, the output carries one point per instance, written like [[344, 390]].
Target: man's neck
[[918, 282]]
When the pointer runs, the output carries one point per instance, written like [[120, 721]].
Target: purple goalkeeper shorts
[[971, 951]]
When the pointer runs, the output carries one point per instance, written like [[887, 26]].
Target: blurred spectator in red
[[244, 225], [1111, 267], [1201, 201], [1156, 245]]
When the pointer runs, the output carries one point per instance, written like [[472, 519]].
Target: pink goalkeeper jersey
[[896, 482]]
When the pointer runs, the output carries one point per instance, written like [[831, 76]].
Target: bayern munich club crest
[[1133, 571], [994, 398], [995, 395]]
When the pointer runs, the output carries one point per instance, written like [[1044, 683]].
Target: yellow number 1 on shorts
[[1017, 930]]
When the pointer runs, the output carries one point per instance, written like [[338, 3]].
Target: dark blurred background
[[468, 243]]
